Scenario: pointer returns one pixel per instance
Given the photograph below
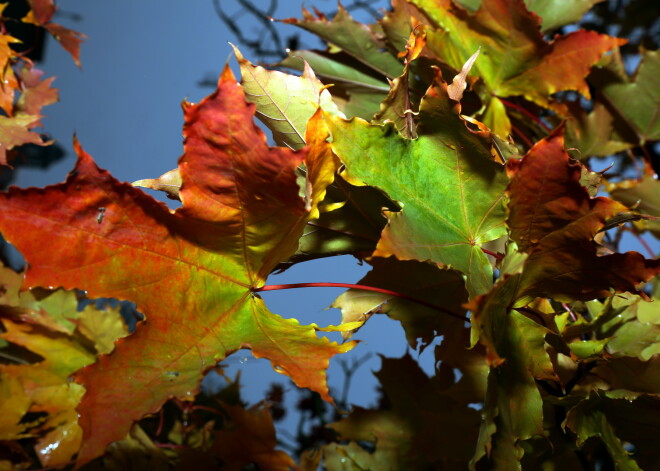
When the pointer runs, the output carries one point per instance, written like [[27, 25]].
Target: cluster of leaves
[[479, 226], [23, 92]]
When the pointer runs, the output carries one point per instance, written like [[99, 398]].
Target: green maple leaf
[[446, 180], [589, 419], [356, 92], [192, 272]]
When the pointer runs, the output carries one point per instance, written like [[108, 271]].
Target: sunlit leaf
[[191, 272], [16, 131], [169, 182], [446, 181], [284, 102], [45, 387], [355, 92]]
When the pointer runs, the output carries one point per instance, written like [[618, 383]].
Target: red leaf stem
[[532, 116], [495, 255], [361, 287], [522, 136]]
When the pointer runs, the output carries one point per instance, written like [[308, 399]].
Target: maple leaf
[[589, 419], [135, 451], [515, 59], [357, 62], [556, 13], [554, 219], [635, 329], [456, 353], [44, 387], [41, 14], [16, 131], [6, 55], [351, 221], [169, 182], [284, 102], [192, 272], [593, 133], [450, 188], [35, 92]]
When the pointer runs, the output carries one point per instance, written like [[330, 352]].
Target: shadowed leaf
[[249, 437], [554, 220], [644, 196], [421, 428], [516, 352], [421, 281], [354, 38]]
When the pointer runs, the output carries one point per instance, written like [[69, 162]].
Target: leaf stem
[[522, 136], [364, 288], [532, 116], [495, 255]]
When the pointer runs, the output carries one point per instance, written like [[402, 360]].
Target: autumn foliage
[[450, 145]]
